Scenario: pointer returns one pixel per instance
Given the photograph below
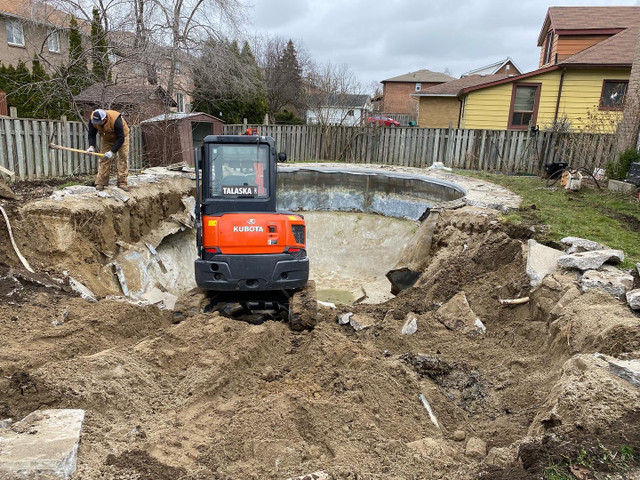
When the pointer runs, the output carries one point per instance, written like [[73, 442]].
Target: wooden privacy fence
[[503, 151], [24, 148]]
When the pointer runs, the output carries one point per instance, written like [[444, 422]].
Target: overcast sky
[[382, 39]]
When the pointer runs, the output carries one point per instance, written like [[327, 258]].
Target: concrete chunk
[[633, 299], [456, 314], [612, 281], [476, 448], [541, 261], [411, 324], [628, 370], [44, 442], [591, 260], [82, 290], [577, 244]]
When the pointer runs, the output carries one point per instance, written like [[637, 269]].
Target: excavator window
[[239, 170]]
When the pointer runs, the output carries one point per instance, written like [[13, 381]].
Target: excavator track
[[303, 308], [298, 308]]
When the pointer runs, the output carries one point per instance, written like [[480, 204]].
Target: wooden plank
[[20, 156], [44, 149], [9, 133], [4, 158], [29, 150]]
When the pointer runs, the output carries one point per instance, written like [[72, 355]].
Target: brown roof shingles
[[425, 76], [455, 86], [616, 50]]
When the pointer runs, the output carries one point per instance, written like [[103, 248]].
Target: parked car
[[382, 121]]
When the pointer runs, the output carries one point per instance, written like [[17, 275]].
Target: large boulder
[[633, 299]]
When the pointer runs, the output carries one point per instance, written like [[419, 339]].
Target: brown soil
[[216, 398]]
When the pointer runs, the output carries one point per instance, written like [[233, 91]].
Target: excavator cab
[[245, 245]]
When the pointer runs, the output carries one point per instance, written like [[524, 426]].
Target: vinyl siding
[[571, 44], [488, 108]]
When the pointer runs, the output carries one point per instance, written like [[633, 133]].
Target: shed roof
[[492, 68], [179, 116], [346, 100], [421, 76]]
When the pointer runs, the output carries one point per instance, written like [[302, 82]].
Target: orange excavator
[[252, 258]]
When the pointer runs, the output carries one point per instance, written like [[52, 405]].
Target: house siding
[[438, 112], [488, 108]]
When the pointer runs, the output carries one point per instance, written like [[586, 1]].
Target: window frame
[[418, 86], [536, 104], [548, 48], [13, 24], [615, 108], [51, 34], [180, 102]]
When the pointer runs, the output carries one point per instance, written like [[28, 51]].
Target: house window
[[613, 94], [14, 33], [180, 102], [418, 87], [53, 41], [547, 48], [524, 105]]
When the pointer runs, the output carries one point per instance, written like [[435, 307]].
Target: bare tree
[[333, 98], [629, 126]]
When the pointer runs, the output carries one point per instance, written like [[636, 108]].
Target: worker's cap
[[98, 116]]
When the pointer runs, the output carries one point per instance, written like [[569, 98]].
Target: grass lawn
[[600, 215]]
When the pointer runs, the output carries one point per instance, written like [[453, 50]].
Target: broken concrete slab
[[44, 442], [541, 261], [628, 370], [456, 314], [622, 187], [163, 300], [82, 290], [591, 260], [344, 318], [360, 322], [79, 189], [577, 244], [610, 280], [410, 324], [633, 299], [359, 295], [120, 194]]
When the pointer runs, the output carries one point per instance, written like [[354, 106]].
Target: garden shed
[[171, 138]]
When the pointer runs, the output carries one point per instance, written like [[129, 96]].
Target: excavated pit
[[210, 397]]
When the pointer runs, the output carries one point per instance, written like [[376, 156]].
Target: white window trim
[[180, 100], [14, 24], [418, 86], [53, 34]]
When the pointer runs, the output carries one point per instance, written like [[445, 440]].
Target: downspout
[[555, 117], [459, 111]]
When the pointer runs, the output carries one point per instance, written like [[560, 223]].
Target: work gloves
[[108, 154], [91, 150]]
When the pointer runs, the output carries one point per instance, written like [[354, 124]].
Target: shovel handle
[[69, 149]]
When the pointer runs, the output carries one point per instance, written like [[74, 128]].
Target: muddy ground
[[216, 398]]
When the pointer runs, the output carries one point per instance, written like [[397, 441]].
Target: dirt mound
[[212, 397]]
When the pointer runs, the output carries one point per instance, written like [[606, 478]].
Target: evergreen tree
[[283, 81], [77, 72], [99, 50], [21, 90], [254, 104]]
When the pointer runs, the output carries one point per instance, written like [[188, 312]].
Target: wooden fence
[[516, 152], [24, 148]]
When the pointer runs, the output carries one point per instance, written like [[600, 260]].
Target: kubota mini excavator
[[252, 258]]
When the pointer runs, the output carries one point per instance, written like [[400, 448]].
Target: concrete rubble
[[476, 448], [628, 370], [360, 322], [410, 324], [541, 261], [44, 443], [456, 314], [591, 260], [577, 245], [82, 290], [610, 280], [633, 299], [312, 476]]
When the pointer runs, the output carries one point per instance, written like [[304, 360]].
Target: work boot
[[99, 187], [123, 186]]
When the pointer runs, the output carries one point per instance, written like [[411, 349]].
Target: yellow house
[[581, 82]]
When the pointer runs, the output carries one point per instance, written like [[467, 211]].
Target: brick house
[[396, 91]]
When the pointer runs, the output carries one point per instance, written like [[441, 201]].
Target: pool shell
[[392, 194]]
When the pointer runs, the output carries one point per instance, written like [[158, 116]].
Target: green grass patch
[[596, 459], [599, 215]]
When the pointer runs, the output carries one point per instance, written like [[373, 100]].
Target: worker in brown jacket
[[114, 133]]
